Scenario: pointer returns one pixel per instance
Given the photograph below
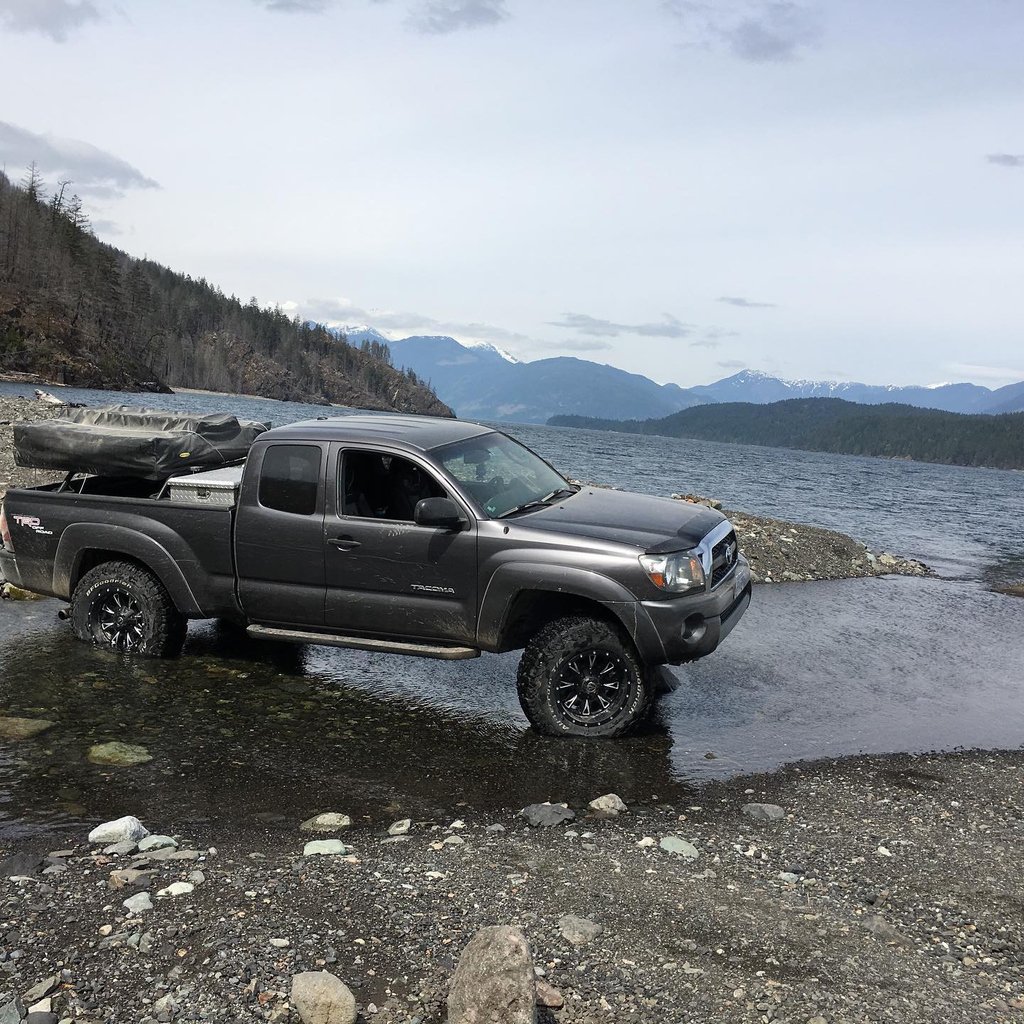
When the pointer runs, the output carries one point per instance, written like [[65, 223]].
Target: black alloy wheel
[[117, 620], [581, 676]]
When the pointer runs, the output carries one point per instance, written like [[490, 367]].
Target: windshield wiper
[[561, 492]]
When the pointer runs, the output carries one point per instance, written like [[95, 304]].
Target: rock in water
[[15, 729], [763, 812], [494, 980], [121, 755], [121, 830], [321, 998], [545, 815], [578, 930], [332, 821], [610, 803]]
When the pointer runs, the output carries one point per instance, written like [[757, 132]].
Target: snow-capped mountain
[[760, 388], [479, 380]]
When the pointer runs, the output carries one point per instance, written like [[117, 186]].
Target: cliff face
[[80, 312]]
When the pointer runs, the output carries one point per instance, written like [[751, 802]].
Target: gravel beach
[[867, 890]]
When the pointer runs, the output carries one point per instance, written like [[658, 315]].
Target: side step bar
[[362, 643]]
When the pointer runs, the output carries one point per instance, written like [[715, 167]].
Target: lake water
[[814, 670]]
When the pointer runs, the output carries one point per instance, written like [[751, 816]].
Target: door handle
[[343, 543]]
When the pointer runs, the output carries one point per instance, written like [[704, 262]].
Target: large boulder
[[121, 830], [321, 998], [494, 982]]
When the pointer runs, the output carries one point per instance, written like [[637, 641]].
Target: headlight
[[676, 572]]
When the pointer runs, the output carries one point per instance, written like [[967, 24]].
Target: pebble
[[608, 804], [330, 821], [579, 930], [400, 828], [177, 889], [547, 814], [156, 843], [280, 943], [324, 847], [138, 904], [645, 842], [679, 847], [763, 812]]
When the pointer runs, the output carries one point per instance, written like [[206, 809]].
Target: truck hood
[[621, 517]]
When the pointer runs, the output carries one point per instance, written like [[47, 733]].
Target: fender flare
[[81, 538], [512, 578]]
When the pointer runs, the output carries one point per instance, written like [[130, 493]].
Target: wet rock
[[547, 814], [118, 754], [156, 842], [15, 729], [18, 865], [578, 930], [9, 592], [138, 904], [331, 821], [679, 848], [608, 804], [321, 998], [494, 980], [763, 812], [400, 828], [41, 1017], [324, 847], [126, 829]]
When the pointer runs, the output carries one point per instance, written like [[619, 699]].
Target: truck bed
[[58, 532]]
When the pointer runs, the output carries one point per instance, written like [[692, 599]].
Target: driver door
[[386, 575]]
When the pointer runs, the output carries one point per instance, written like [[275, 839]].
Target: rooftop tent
[[121, 441]]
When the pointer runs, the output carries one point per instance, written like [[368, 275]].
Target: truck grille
[[723, 558]]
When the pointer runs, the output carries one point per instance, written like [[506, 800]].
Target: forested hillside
[[833, 425], [77, 311]]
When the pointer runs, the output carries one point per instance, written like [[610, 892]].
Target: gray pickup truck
[[404, 534]]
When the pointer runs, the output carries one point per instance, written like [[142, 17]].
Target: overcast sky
[[677, 187]]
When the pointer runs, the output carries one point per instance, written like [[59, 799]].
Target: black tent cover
[[119, 440]]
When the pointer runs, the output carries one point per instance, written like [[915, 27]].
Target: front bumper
[[692, 627]]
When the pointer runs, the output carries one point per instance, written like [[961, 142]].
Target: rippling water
[[238, 728]]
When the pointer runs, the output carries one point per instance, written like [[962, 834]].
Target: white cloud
[[53, 18]]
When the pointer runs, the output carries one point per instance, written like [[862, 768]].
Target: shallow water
[[240, 729]]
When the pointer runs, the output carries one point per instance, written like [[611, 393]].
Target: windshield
[[501, 474]]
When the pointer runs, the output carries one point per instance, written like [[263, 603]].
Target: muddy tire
[[580, 677], [125, 607]]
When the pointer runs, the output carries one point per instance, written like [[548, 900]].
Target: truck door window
[[289, 478], [380, 486]]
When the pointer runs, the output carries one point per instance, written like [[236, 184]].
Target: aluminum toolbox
[[217, 487]]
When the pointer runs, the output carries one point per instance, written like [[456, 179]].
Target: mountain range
[[483, 382]]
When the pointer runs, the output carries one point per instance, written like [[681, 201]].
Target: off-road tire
[[547, 680], [152, 627]]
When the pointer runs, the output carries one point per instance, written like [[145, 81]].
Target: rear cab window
[[290, 478]]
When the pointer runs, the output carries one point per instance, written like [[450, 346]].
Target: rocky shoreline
[[871, 889]]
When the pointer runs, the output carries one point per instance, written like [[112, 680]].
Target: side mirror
[[440, 512]]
